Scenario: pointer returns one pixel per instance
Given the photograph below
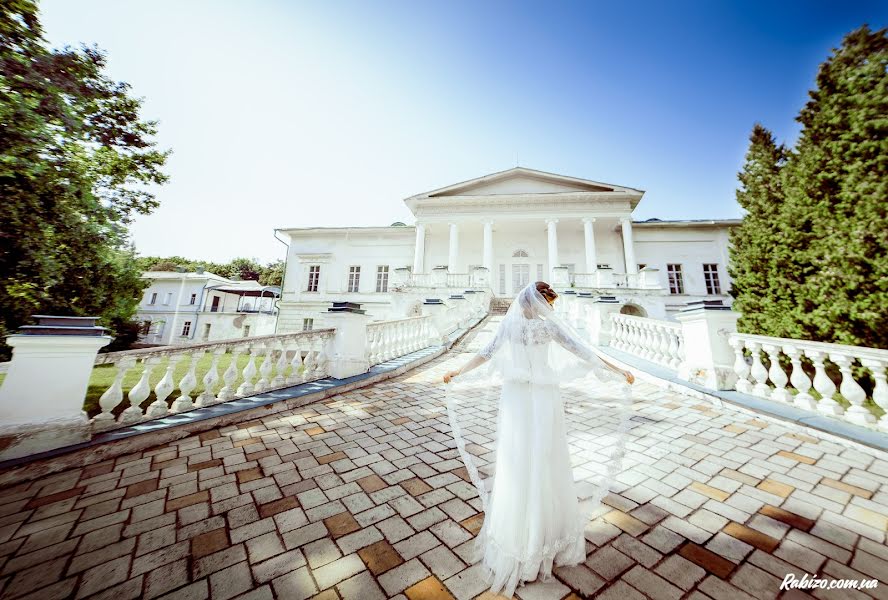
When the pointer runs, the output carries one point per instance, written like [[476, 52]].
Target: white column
[[419, 248], [488, 247], [454, 248], [553, 246], [628, 246], [589, 235]]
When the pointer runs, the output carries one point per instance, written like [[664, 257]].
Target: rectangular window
[[193, 299], [246, 331], [307, 324], [710, 276], [314, 274], [502, 278], [169, 298], [215, 306], [539, 272], [186, 328], [382, 278], [676, 283], [206, 333], [153, 298], [354, 278]]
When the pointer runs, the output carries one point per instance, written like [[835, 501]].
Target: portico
[[521, 224]]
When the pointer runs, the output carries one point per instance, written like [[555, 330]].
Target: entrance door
[[520, 277]]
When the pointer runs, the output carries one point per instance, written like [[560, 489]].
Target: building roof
[[686, 222], [180, 275]]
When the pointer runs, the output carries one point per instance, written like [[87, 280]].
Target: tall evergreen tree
[[837, 194], [753, 265], [825, 276]]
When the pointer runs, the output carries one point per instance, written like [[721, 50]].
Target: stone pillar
[[453, 255], [41, 399], [439, 277], [708, 357], [553, 246], [480, 277], [348, 348], [589, 236], [628, 246], [488, 246], [436, 308], [419, 249], [600, 326]]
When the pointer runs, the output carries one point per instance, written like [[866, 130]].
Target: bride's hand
[[450, 375], [630, 378]]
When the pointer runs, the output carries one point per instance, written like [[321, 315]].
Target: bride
[[561, 413]]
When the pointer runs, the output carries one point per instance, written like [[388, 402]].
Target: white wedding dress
[[533, 519]]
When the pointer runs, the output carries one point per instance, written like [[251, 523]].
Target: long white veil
[[596, 406]]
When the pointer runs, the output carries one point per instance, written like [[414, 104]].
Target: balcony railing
[[277, 360], [661, 342], [607, 279], [780, 369], [390, 339]]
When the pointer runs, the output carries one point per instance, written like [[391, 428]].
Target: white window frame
[[354, 279], [711, 279], [307, 324], [382, 278], [169, 299], [186, 328], [676, 278], [314, 278], [153, 298], [193, 299]]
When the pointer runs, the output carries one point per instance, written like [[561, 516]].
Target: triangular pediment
[[521, 180]]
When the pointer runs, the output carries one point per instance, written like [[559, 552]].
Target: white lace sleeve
[[493, 345], [578, 348]]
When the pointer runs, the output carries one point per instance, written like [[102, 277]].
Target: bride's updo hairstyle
[[546, 290]]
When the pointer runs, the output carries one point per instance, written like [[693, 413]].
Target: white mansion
[[501, 231]]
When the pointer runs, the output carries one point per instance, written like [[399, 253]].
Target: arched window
[[519, 254]]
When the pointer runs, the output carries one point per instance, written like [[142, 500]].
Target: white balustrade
[[277, 360], [390, 339], [851, 365], [661, 342]]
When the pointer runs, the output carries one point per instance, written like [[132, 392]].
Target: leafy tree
[[244, 268], [272, 274], [76, 163], [811, 258]]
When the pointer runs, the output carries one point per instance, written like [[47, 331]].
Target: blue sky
[[330, 113]]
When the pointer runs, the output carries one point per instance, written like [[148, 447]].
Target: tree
[[76, 164], [836, 187], [811, 257], [273, 274], [753, 266], [243, 268]]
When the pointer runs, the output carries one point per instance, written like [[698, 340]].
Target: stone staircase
[[499, 306]]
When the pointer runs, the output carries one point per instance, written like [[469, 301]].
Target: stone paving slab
[[362, 496]]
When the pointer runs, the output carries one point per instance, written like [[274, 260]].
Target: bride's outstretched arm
[[482, 357], [583, 351]]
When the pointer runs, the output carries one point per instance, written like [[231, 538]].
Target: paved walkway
[[363, 496]]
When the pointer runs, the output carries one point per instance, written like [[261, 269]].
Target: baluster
[[851, 390], [650, 333], [676, 349], [230, 376], [114, 394], [264, 369], [311, 358], [183, 402], [758, 371], [280, 368], [164, 388], [246, 387], [880, 392], [622, 333], [211, 381], [776, 374], [372, 335], [741, 368], [140, 392], [320, 370], [824, 385], [799, 379], [415, 328], [295, 364]]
